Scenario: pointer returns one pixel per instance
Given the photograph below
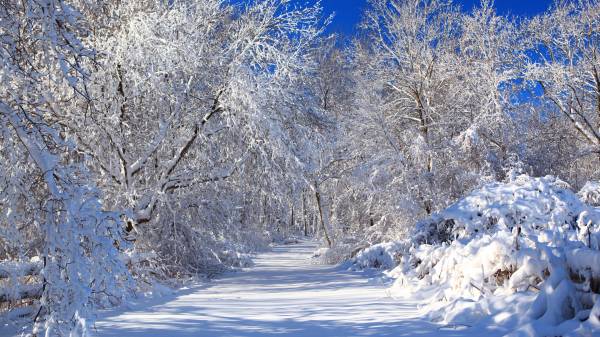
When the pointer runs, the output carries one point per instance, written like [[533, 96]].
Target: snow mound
[[590, 193], [340, 253], [536, 205], [532, 238], [382, 256], [333, 255]]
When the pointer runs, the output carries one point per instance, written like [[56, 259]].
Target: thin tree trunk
[[304, 217], [292, 223], [323, 226]]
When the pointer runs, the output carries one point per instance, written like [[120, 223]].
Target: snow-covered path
[[283, 295]]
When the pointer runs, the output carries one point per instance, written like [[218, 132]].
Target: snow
[[590, 193], [521, 255], [382, 255], [285, 294]]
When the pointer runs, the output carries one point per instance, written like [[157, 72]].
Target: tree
[[184, 98], [41, 56], [563, 70]]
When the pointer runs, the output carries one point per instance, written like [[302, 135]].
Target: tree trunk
[[292, 223], [304, 217], [323, 225]]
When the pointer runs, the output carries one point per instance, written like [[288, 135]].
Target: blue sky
[[348, 12]]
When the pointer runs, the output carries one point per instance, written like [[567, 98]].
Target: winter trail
[[284, 294]]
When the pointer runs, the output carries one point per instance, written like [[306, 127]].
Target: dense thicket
[[145, 140]]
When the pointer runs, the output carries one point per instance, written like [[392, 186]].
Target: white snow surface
[[284, 294], [521, 255]]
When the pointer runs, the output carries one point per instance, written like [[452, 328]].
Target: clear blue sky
[[348, 12]]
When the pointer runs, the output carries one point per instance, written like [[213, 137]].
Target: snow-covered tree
[[189, 107], [563, 70], [42, 57], [429, 103]]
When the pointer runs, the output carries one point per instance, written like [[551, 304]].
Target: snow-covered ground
[[284, 294]]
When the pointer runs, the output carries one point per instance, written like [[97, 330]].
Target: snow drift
[[532, 239]]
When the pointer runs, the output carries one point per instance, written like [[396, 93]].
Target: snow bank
[[531, 239], [381, 256], [590, 193], [340, 252], [336, 254]]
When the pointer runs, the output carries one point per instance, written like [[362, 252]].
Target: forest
[[149, 143]]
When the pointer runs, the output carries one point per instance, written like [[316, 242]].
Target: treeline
[[432, 101]]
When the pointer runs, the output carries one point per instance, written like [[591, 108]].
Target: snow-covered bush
[[525, 236], [334, 255], [533, 206], [381, 256], [590, 193]]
